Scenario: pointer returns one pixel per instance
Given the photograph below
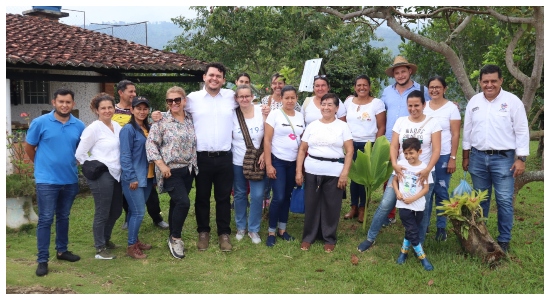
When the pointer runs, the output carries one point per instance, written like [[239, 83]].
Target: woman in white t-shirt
[[311, 108], [100, 141], [283, 130], [255, 122], [428, 131], [367, 121], [448, 116], [326, 173]]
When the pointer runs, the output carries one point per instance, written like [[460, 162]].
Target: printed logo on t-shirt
[[292, 136], [503, 107], [414, 133], [410, 184], [364, 117]]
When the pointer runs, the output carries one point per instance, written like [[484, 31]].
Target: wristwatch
[[453, 157], [522, 158]]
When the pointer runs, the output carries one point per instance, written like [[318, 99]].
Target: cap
[[140, 99]]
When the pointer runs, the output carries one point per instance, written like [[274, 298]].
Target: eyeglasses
[[175, 100], [244, 97], [435, 88], [319, 76]]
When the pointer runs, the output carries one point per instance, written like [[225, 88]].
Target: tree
[[518, 26], [263, 40]]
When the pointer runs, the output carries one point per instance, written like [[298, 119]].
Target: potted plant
[[20, 185], [466, 215]]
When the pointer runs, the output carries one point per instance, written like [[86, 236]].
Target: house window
[[30, 92]]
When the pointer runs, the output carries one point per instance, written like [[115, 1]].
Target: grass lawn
[[285, 269]]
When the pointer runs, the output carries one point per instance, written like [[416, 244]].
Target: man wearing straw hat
[[395, 100]]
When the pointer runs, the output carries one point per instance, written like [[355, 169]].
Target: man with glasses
[[495, 146], [127, 91]]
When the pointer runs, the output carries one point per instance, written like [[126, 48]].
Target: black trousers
[[411, 221], [178, 187], [323, 203], [153, 206], [217, 171]]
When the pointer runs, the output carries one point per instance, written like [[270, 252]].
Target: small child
[[411, 201]]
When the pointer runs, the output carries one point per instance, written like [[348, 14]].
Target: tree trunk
[[479, 242], [524, 179]]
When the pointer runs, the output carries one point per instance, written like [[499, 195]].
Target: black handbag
[[92, 169], [251, 167]]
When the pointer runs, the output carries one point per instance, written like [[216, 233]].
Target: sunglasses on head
[[319, 76], [176, 100]]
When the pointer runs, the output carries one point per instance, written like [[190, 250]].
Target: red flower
[[24, 115]]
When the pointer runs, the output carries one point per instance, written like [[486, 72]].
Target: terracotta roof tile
[[35, 40]]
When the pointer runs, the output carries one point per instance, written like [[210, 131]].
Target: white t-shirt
[[444, 115], [284, 144], [326, 141], [255, 130], [410, 186], [362, 119], [407, 129], [103, 145], [312, 112]]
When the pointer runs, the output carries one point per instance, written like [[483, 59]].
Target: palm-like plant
[[372, 167], [465, 208]]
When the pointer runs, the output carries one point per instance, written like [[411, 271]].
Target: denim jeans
[[282, 189], [489, 171], [136, 207], [53, 200], [358, 194], [440, 191], [178, 186], [386, 205], [241, 200], [107, 193]]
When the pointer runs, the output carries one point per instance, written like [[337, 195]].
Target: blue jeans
[[241, 200], [282, 189], [440, 191], [136, 207], [53, 200], [386, 205], [358, 194], [489, 171]]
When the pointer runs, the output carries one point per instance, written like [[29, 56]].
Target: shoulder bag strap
[[426, 122], [306, 103], [244, 128], [291, 126]]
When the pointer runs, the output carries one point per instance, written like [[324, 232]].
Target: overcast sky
[[112, 14]]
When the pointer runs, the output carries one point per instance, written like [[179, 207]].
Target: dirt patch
[[37, 290]]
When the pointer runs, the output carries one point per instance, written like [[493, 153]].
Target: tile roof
[[35, 40]]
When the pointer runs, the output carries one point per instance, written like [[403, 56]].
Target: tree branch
[[509, 19], [458, 29], [514, 70], [536, 117]]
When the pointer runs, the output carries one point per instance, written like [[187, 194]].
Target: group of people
[[203, 136]]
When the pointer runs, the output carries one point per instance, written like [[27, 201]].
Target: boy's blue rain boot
[[422, 256], [404, 251]]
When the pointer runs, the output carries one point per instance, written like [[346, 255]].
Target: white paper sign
[[311, 68]]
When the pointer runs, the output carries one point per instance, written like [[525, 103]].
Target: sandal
[[305, 246]]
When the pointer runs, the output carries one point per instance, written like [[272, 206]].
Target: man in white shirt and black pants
[[212, 111], [495, 146]]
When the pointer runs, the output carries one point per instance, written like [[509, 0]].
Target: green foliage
[[21, 182], [260, 40], [372, 167], [465, 208]]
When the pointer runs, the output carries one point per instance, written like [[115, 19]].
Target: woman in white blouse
[[446, 112], [366, 119], [100, 141], [255, 122], [311, 107]]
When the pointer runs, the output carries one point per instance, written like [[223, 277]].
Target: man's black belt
[[213, 153], [494, 152], [325, 159]]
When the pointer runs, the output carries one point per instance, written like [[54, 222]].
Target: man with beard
[[52, 140]]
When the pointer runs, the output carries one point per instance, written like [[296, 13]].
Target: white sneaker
[[255, 237], [104, 254], [240, 235], [176, 247]]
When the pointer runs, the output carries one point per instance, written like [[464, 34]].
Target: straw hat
[[400, 61]]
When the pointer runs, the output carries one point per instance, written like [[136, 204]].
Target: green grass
[[252, 269]]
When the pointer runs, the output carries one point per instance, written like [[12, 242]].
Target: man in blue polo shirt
[[51, 144]]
